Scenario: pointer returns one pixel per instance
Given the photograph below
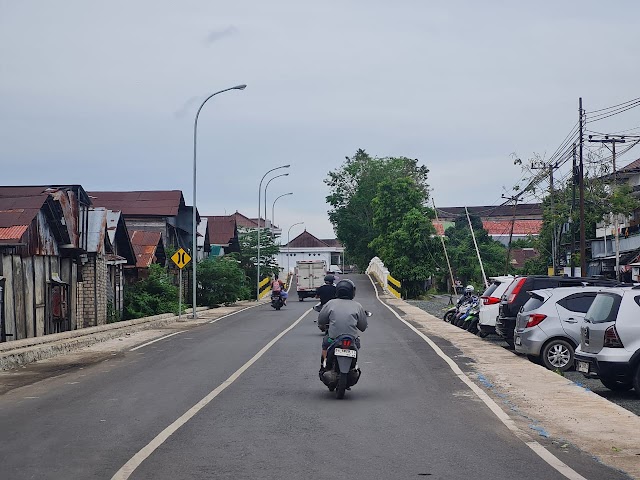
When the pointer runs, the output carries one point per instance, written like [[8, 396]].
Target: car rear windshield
[[604, 308], [511, 287], [533, 303], [491, 289]]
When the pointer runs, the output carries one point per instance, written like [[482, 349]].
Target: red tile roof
[[145, 245], [520, 227], [306, 240], [222, 228], [12, 234], [163, 203], [522, 209], [243, 221], [632, 166]]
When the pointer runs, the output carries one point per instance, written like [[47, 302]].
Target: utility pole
[[554, 239], [473, 235], [573, 207], [583, 247], [513, 221], [616, 219]]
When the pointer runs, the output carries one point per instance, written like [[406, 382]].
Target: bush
[[221, 280], [152, 296]]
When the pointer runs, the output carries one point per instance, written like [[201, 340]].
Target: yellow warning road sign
[[181, 258]]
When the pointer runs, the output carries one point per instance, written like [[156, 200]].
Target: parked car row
[[562, 322]]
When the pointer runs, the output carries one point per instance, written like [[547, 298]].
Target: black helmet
[[329, 279], [346, 289]]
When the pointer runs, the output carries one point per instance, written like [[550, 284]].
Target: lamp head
[[239, 87]]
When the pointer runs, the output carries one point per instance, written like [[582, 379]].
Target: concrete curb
[[536, 396], [21, 352]]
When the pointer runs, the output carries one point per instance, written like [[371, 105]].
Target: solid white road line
[[156, 340], [229, 314], [542, 452], [129, 467]]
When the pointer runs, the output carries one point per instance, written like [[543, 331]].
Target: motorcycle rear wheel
[[342, 386]]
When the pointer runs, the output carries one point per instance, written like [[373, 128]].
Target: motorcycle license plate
[[583, 367], [341, 352]]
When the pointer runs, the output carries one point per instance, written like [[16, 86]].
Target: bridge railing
[[381, 273]]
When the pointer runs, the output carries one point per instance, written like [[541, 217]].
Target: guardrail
[[389, 284], [265, 287]]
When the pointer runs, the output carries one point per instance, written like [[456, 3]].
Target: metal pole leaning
[[258, 219], [194, 239]]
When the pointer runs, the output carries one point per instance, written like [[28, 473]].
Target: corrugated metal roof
[[165, 203], [221, 229], [20, 205], [97, 220], [522, 210], [520, 227], [12, 233], [145, 245], [332, 242]]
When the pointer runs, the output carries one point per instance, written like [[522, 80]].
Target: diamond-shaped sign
[[181, 258]]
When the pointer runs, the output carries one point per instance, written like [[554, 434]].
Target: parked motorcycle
[[341, 365], [276, 300]]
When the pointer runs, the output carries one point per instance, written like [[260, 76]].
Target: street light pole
[[265, 195], [273, 207], [194, 244], [259, 205], [288, 247]]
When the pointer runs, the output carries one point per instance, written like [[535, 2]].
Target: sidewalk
[[537, 399], [21, 352]]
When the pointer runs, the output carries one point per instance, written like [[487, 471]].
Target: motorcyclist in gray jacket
[[343, 315]]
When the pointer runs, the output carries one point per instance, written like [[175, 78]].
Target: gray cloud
[[216, 35]]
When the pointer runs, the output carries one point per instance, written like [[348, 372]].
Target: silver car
[[548, 325], [610, 339]]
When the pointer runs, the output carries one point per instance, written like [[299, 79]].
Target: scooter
[[317, 307], [341, 365], [276, 300]]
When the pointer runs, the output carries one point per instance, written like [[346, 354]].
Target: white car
[[491, 303], [334, 269]]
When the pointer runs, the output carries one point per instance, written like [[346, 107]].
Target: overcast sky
[[104, 93]]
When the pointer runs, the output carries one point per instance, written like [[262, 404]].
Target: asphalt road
[[409, 416]]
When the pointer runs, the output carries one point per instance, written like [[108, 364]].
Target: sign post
[[181, 259]]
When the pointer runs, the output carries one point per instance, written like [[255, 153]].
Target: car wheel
[[557, 355], [636, 381], [616, 385]]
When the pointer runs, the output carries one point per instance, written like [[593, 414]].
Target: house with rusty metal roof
[[163, 211], [104, 266], [43, 233], [149, 248], [223, 234], [308, 247]]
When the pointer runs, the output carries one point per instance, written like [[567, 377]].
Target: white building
[[307, 247]]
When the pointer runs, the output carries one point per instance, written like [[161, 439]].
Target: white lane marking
[[156, 340], [542, 452], [135, 461], [229, 314]]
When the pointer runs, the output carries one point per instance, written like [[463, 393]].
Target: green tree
[[462, 252], [221, 280], [247, 257], [353, 188], [406, 242]]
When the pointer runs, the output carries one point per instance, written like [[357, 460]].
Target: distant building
[[308, 247]]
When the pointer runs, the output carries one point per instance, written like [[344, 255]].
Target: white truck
[[309, 276]]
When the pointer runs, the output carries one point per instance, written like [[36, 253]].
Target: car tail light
[[490, 300], [611, 338], [346, 343], [516, 290], [535, 319]]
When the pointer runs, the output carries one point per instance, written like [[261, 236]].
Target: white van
[[490, 304]]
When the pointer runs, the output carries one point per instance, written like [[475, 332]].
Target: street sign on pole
[[181, 259]]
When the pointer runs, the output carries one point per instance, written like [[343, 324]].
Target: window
[[604, 308], [533, 303], [578, 302], [491, 289]]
